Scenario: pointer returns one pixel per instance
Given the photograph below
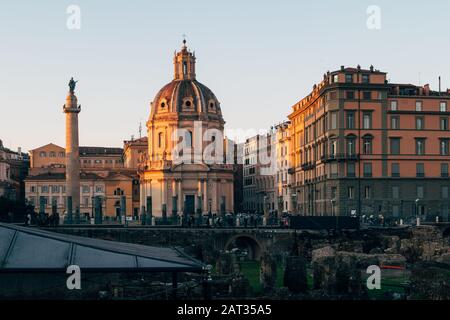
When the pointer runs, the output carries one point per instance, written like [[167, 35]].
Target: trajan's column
[[71, 109]]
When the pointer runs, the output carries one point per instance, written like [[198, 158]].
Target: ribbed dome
[[185, 96]]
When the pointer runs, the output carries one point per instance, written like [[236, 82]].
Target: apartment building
[[364, 146], [259, 174]]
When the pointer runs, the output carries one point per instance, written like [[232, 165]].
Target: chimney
[[342, 68], [359, 67], [439, 85], [19, 150], [371, 68], [426, 89]]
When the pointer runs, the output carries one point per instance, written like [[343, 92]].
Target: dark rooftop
[[33, 250], [100, 151], [62, 176]]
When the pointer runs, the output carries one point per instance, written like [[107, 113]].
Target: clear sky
[[258, 57]]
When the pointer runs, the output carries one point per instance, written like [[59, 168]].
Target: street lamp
[[417, 212], [209, 207], [265, 204], [333, 201]]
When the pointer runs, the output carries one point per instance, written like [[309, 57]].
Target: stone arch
[[248, 242]]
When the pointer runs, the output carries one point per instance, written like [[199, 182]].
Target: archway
[[245, 243]]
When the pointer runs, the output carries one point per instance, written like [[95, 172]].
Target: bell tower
[[184, 64]]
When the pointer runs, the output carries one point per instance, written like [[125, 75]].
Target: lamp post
[[333, 201], [209, 208], [92, 217], [265, 207], [417, 212]]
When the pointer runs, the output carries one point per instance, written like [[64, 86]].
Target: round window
[[188, 103], [163, 105]]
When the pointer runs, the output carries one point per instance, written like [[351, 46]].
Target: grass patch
[[251, 270], [391, 282]]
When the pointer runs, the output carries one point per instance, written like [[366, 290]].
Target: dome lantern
[[184, 64]]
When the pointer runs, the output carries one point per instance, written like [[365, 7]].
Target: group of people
[[242, 220], [42, 219]]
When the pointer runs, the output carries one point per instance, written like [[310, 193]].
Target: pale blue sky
[[258, 57]]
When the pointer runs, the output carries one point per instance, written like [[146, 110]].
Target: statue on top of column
[[72, 84]]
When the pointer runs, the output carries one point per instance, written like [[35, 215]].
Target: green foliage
[[251, 270]]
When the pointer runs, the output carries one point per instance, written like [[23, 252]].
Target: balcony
[[308, 165], [348, 157], [291, 170], [328, 158], [339, 157]]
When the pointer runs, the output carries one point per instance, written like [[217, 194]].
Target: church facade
[[184, 172]]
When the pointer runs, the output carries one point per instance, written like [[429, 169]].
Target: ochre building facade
[[364, 146]]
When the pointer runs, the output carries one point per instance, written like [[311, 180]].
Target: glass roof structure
[[24, 249]]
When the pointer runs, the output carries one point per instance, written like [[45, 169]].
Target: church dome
[[184, 95]]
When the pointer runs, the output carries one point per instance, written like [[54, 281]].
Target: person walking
[[28, 219]]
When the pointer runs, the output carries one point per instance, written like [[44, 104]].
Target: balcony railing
[[339, 157], [308, 165]]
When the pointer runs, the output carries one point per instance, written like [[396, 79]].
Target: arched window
[[184, 67]]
